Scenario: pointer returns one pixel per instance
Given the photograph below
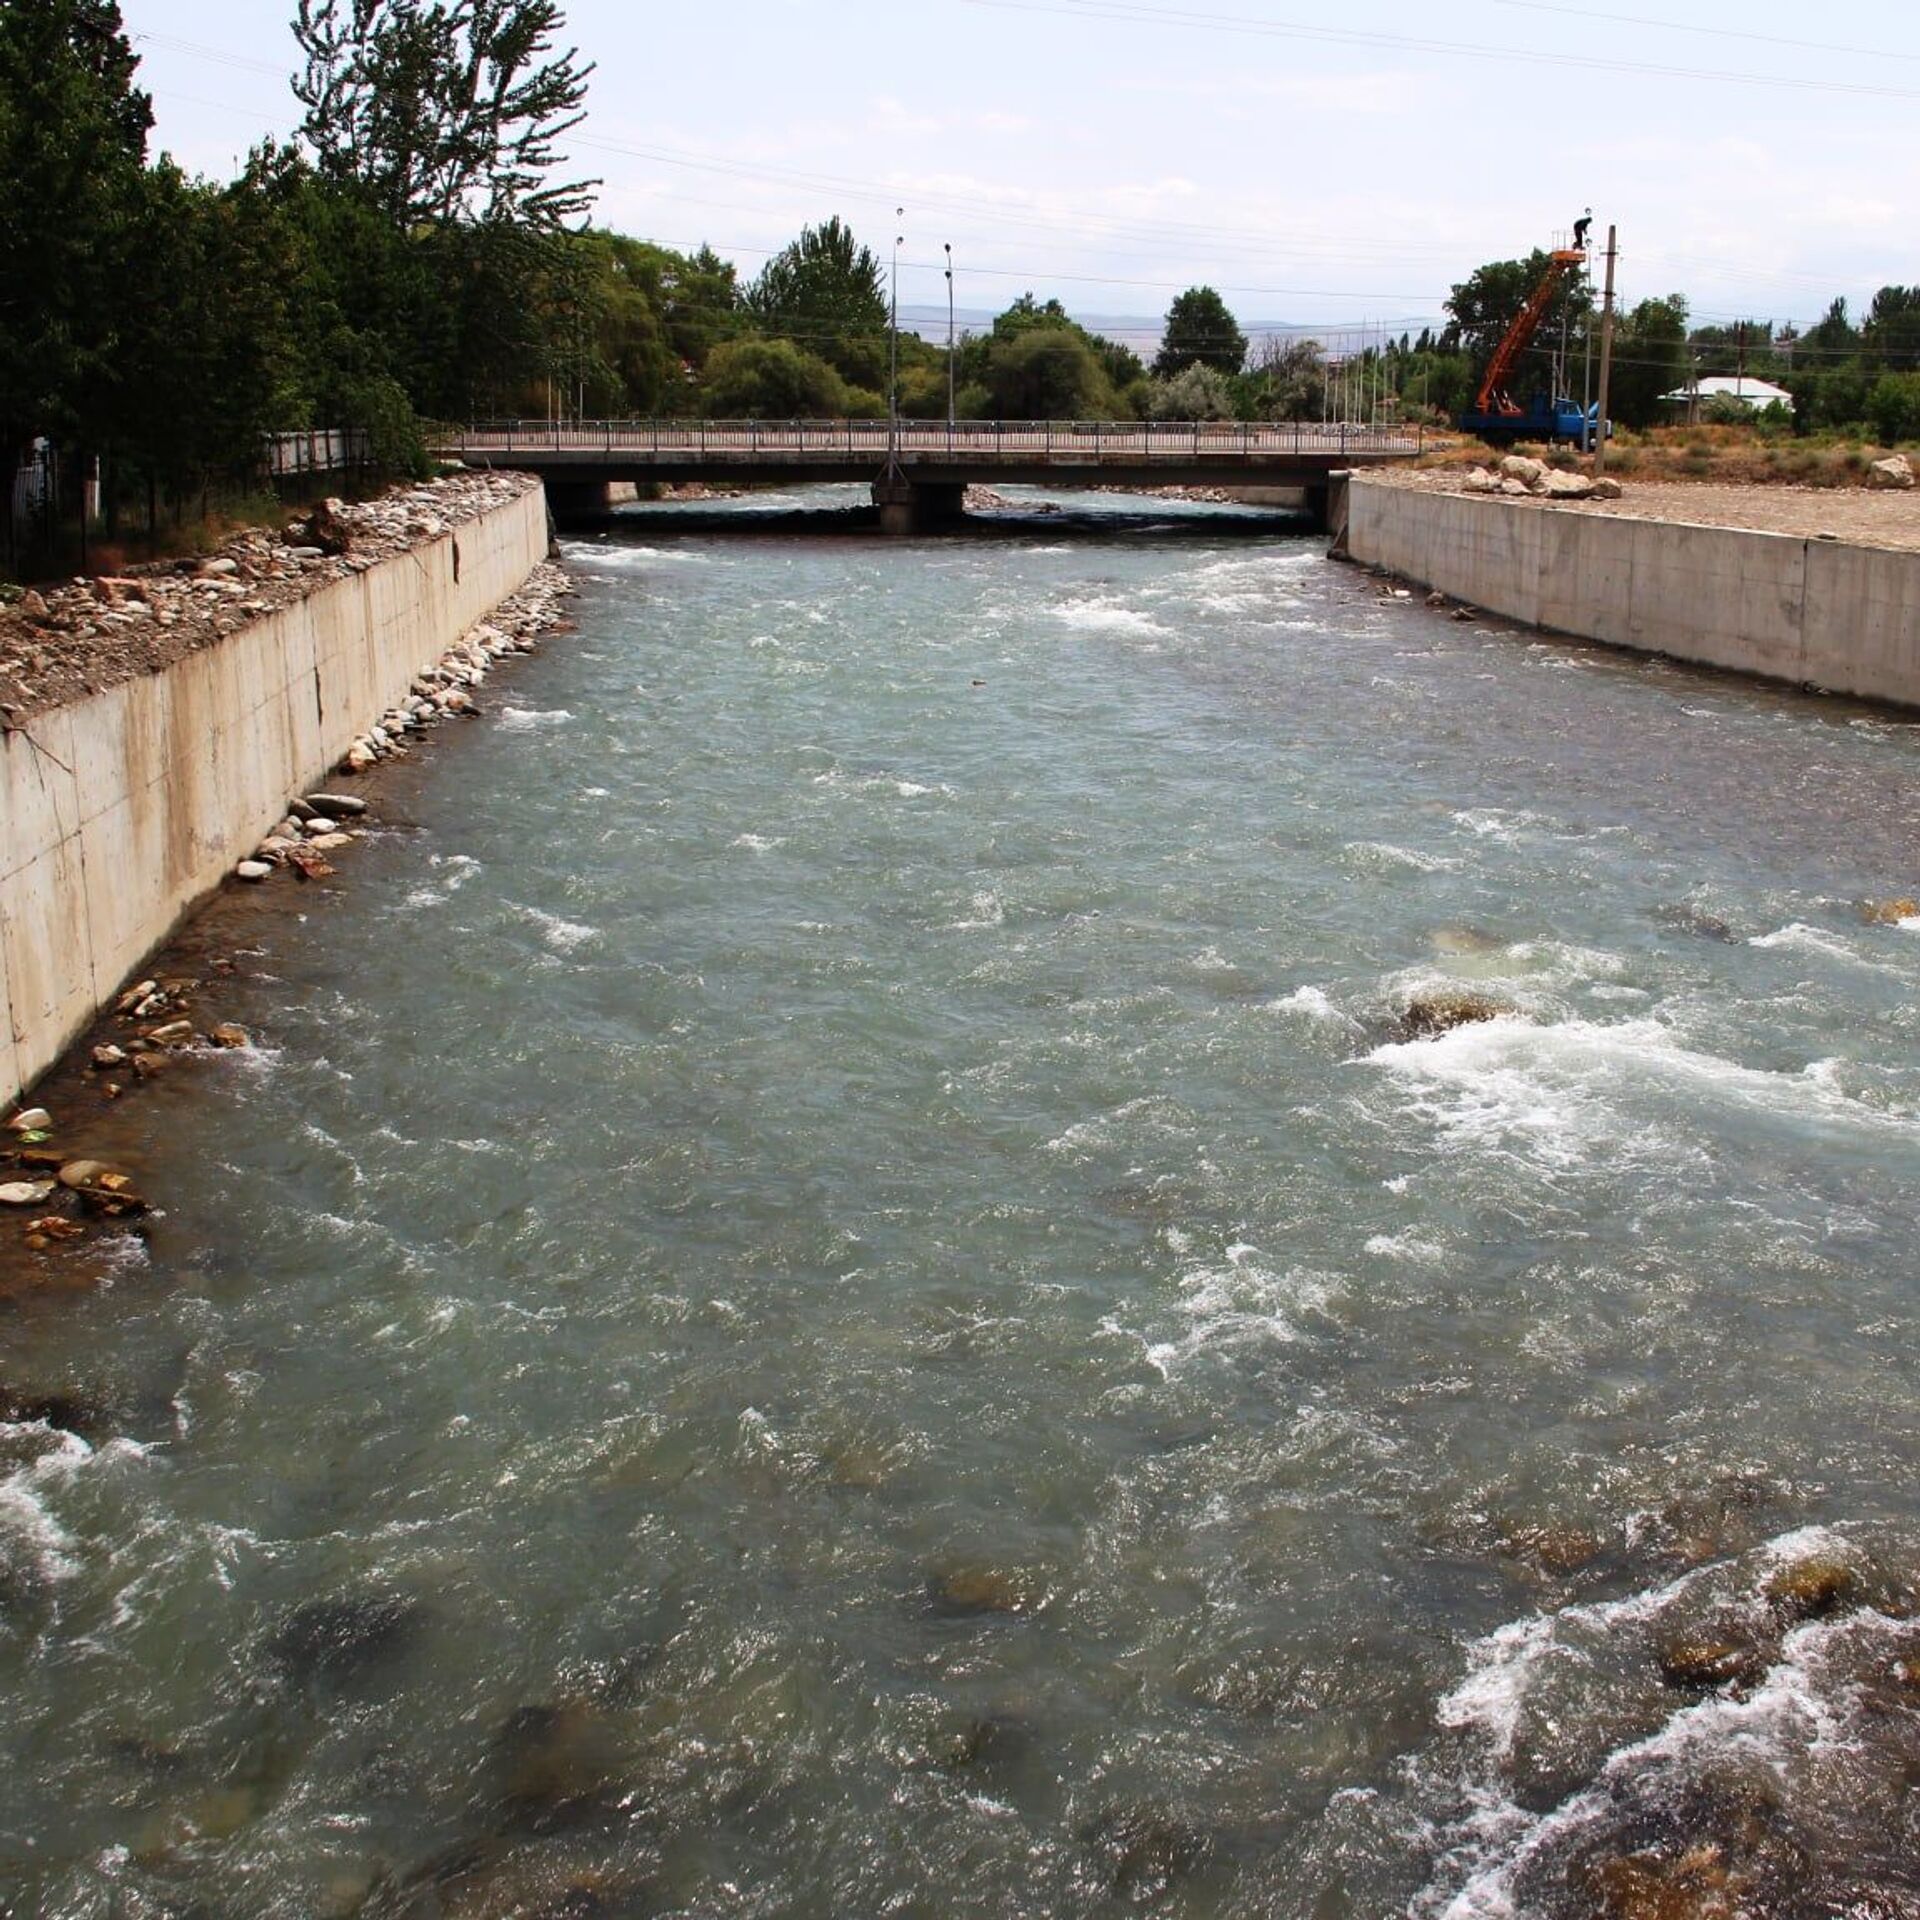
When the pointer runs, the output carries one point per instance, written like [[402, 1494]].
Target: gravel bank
[[1855, 516]]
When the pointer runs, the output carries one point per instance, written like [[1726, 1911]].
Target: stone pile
[[60, 643], [1521, 477], [317, 824], [58, 1191]]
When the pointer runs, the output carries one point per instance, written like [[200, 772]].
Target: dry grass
[[1724, 456]]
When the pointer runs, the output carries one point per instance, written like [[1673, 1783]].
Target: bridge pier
[[918, 506], [573, 501]]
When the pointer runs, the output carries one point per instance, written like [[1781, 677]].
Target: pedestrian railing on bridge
[[1061, 442]]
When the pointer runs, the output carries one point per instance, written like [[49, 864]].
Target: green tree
[[1290, 380], [1046, 373], [1199, 328], [1832, 337], [1891, 334], [73, 132], [1484, 305], [827, 293], [1196, 392], [1649, 360], [1893, 408], [443, 109], [779, 380]]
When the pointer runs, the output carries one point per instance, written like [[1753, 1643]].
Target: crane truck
[[1495, 415]]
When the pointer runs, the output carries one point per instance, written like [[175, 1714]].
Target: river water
[[839, 1291]]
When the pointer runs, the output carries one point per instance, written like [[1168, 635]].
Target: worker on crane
[[1580, 227]]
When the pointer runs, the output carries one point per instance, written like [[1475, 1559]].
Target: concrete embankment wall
[[1814, 612], [118, 812]]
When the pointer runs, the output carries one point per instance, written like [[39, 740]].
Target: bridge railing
[[1070, 442]]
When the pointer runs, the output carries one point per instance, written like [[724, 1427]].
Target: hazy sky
[[1758, 157]]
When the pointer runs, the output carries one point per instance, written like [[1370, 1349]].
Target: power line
[[1129, 13], [1714, 33]]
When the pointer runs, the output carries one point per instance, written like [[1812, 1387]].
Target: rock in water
[[31, 1120], [1894, 471], [25, 1193], [1440, 1010], [255, 870]]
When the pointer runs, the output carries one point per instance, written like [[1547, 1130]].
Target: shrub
[[776, 380]]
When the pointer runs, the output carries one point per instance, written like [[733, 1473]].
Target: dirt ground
[[1854, 515]]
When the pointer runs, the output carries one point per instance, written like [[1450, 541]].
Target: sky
[[1321, 168]]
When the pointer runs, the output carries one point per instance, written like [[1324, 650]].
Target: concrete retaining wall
[[1813, 612], [118, 812]]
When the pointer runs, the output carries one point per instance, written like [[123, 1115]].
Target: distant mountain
[[1139, 331]]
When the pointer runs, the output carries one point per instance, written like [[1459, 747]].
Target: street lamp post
[[893, 350], [949, 246]]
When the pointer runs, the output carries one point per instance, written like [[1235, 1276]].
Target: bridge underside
[[918, 493]]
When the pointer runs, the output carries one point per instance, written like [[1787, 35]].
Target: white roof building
[[1742, 387]]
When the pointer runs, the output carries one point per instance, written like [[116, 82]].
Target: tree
[[1046, 373], [1891, 335], [1649, 360], [827, 293], [778, 380], [1196, 392], [1491, 298], [1199, 328], [73, 132], [1831, 337], [1292, 379], [443, 109]]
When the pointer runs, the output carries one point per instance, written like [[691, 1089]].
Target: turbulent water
[[840, 1289]]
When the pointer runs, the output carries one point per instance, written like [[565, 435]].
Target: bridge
[[920, 469]]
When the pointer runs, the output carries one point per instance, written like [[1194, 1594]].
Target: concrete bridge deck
[[920, 468]]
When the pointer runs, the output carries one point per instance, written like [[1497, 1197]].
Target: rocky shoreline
[[60, 644], [65, 1182]]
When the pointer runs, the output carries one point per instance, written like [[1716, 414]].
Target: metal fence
[[1074, 442], [324, 450]]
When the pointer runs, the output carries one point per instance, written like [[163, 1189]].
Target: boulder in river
[[975, 1588], [254, 870], [1889, 913], [1438, 1010], [1706, 1661], [25, 1193], [31, 1120]]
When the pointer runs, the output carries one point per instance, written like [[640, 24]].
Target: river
[[838, 1288]]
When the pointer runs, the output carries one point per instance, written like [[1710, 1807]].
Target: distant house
[[1756, 395]]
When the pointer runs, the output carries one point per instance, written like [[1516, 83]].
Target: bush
[[776, 380], [1893, 407], [1196, 392]]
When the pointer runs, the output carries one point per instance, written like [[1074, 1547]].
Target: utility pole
[[949, 247], [1606, 353], [893, 352]]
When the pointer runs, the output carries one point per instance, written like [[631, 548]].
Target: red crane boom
[[1493, 397]]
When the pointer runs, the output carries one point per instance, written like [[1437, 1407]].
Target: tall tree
[[73, 132], [1649, 360], [1491, 298], [443, 109], [827, 293], [1891, 334], [1200, 329]]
